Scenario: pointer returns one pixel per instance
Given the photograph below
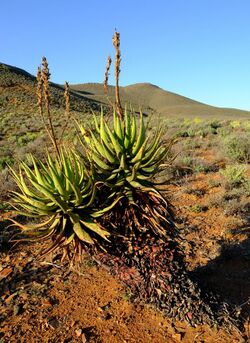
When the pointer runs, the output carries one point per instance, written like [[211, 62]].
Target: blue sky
[[196, 48]]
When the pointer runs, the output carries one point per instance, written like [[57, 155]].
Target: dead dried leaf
[[5, 272], [8, 300]]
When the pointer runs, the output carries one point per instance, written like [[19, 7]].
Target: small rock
[[105, 307], [78, 332], [17, 310], [54, 323], [177, 336]]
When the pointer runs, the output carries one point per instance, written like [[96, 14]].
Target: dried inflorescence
[[39, 91], [43, 76], [67, 109], [116, 43], [67, 99], [106, 75]]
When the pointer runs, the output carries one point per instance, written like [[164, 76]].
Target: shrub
[[197, 120], [196, 208], [6, 184], [236, 207], [191, 132], [4, 161], [26, 138], [215, 124], [224, 131], [246, 125], [192, 144], [238, 147], [235, 124], [234, 175]]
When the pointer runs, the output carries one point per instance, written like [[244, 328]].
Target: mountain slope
[[18, 95], [148, 96]]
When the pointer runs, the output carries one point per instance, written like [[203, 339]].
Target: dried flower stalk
[[116, 43], [106, 78], [39, 92], [106, 75], [67, 108], [45, 75], [67, 99]]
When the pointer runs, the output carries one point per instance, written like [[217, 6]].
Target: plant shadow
[[228, 275], [9, 233], [21, 279]]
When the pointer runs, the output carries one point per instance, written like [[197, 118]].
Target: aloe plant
[[61, 193], [126, 160], [124, 156]]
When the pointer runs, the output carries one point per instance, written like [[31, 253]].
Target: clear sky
[[196, 48]]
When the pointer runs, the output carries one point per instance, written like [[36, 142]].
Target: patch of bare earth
[[42, 301]]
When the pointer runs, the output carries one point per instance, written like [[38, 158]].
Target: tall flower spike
[[67, 109], [45, 76], [106, 78], [39, 93], [67, 99], [106, 75], [39, 90], [116, 43]]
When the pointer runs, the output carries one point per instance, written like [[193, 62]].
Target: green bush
[[196, 208], [26, 138], [5, 161], [234, 175], [235, 124], [237, 147], [215, 124]]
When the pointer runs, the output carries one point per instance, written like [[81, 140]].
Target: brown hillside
[[148, 96], [18, 94]]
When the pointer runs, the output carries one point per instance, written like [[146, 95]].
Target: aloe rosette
[[124, 156], [126, 159], [61, 193]]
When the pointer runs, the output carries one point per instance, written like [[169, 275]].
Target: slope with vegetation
[[151, 98]]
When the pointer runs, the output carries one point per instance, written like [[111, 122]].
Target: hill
[[18, 92], [151, 97], [18, 103], [18, 98]]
